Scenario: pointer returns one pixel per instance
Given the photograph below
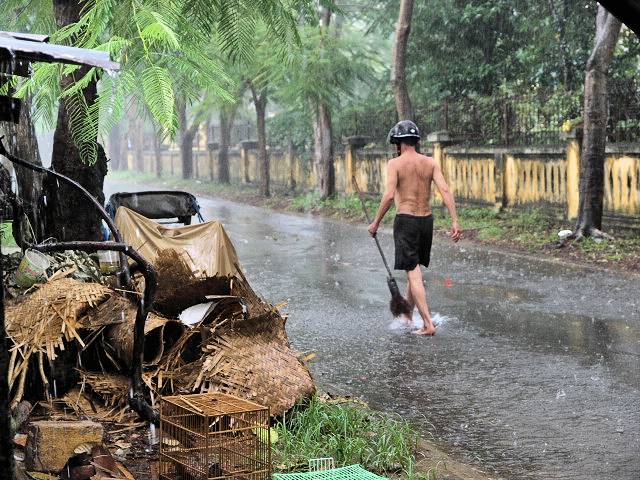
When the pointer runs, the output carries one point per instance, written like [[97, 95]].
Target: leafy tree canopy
[[161, 46]]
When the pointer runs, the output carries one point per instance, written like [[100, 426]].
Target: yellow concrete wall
[[502, 177], [471, 175], [534, 179], [621, 193]]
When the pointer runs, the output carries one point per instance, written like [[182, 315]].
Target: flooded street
[[533, 373]]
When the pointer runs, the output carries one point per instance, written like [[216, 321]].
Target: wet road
[[533, 373]]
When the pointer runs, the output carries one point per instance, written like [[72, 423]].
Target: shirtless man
[[409, 178]]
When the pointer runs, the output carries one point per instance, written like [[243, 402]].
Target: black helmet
[[403, 129]]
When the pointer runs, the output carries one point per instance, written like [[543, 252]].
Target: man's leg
[[417, 295], [412, 305]]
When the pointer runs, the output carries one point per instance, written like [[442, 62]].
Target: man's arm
[[387, 197], [449, 201]]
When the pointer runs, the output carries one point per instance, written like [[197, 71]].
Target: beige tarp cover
[[208, 248]]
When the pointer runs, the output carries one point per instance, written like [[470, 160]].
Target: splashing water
[[400, 323]]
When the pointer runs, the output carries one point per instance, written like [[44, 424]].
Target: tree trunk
[[591, 186], [63, 201], [123, 164], [138, 144], [398, 66], [157, 147], [323, 151], [260, 101], [114, 148], [25, 146], [227, 117], [186, 141]]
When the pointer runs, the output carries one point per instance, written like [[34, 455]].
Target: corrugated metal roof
[[32, 48]]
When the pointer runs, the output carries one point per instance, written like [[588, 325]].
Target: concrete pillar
[[574, 154], [440, 140], [246, 146], [351, 145]]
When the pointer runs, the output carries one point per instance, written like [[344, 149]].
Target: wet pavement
[[534, 370]]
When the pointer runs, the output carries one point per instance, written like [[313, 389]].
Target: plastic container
[[32, 268], [109, 261]]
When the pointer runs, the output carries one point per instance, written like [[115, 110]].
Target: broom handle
[[366, 213]]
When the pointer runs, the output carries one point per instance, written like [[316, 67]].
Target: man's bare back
[[414, 173]]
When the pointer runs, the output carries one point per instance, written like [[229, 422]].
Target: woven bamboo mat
[[241, 349], [44, 320]]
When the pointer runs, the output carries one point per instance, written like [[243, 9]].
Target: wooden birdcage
[[214, 436]]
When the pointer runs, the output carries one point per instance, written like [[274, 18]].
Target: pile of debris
[[207, 331]]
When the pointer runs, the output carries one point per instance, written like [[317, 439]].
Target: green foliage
[[349, 433], [161, 46], [492, 233], [340, 68], [531, 218], [465, 48]]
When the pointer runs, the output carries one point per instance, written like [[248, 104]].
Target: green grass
[[351, 434]]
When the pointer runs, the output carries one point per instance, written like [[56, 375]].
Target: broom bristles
[[400, 306]]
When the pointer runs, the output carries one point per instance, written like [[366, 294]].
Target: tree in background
[[591, 186], [260, 95], [227, 114], [465, 48], [322, 122], [261, 72], [344, 67], [399, 62]]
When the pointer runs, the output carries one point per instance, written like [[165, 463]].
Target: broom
[[398, 304]]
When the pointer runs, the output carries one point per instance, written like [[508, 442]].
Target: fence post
[[292, 153], [502, 180], [573, 155], [440, 140], [246, 146], [352, 144]]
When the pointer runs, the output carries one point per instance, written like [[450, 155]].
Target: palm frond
[[83, 124], [44, 88], [159, 96], [153, 27], [110, 105]]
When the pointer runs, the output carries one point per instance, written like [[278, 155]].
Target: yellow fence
[[621, 193], [514, 177]]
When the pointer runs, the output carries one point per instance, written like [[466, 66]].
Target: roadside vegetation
[[533, 231], [350, 433]]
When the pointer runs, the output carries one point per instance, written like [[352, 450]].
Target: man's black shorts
[[412, 236]]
